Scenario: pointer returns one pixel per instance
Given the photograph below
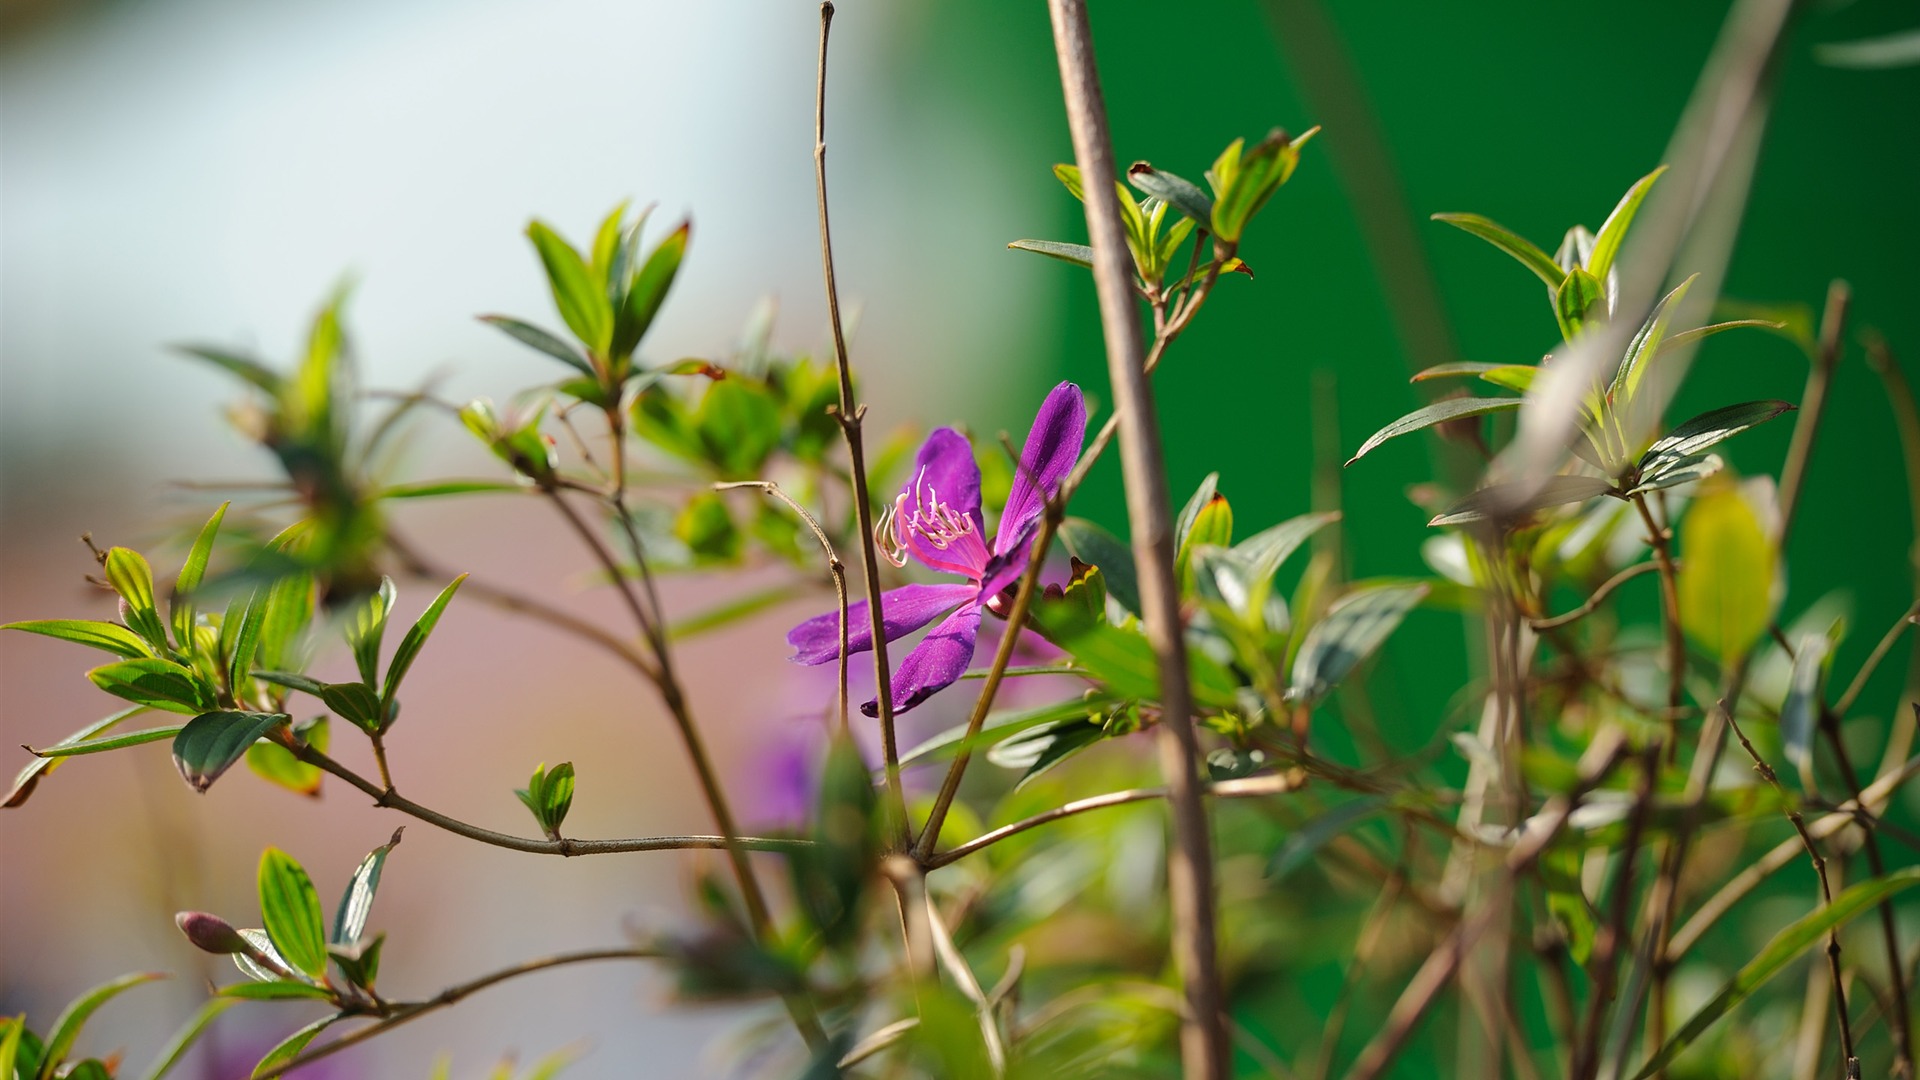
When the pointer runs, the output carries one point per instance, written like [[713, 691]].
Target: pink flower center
[[943, 537]]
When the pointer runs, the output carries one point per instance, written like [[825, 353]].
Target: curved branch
[[1599, 596], [403, 1013], [393, 800]]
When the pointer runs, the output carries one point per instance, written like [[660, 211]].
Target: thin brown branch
[[393, 800], [1592, 603], [1906, 418], [1813, 405], [1204, 1047], [1662, 543], [850, 414], [451, 995], [835, 568], [1901, 1015], [1887, 641]]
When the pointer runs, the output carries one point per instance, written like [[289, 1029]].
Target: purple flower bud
[[211, 933]]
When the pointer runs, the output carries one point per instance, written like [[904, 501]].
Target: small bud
[[211, 933]]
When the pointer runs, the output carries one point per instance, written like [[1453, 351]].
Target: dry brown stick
[[1204, 1047], [835, 568], [1900, 1016], [850, 415], [1599, 596], [1661, 540], [1906, 417]]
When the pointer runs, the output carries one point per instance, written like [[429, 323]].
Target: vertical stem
[[1190, 860], [1906, 417], [1901, 1016], [850, 414], [1662, 543]]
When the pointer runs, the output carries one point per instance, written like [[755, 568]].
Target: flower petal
[[903, 611], [946, 467], [1052, 446], [934, 664]]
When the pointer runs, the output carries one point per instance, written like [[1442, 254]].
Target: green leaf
[[649, 289], [132, 578], [1800, 709], [29, 777], [1785, 947], [1507, 240], [1182, 195], [1455, 370], [292, 681], [111, 637], [1252, 181], [1606, 245], [210, 743], [290, 1048], [1575, 300], [415, 638], [161, 684], [1212, 525], [582, 303], [246, 638], [1669, 472], [1426, 416], [277, 765], [248, 369], [182, 1040], [1041, 748], [1512, 376], [1069, 175], [1077, 254], [1512, 500], [1349, 632], [1190, 513], [291, 909], [356, 903], [112, 742], [738, 424], [366, 629], [282, 634], [1301, 844], [1690, 438], [1727, 573], [1095, 546], [556, 797], [1123, 660], [533, 336], [13, 1027], [1646, 345], [435, 488], [1688, 337], [706, 527], [1000, 725], [66, 1029], [277, 990], [1900, 49], [192, 572], [360, 962], [355, 703]]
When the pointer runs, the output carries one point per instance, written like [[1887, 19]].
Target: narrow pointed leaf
[[538, 339], [209, 744], [350, 920], [132, 578], [1785, 947], [1515, 499], [1095, 546], [246, 368], [367, 628], [110, 637], [1301, 844], [1349, 632], [1183, 195], [1669, 472], [650, 287], [582, 303], [1575, 301], [111, 742], [277, 990], [1895, 50], [30, 776], [1190, 513], [1512, 243], [1646, 343], [291, 909], [246, 638], [415, 638], [1427, 416], [192, 572], [161, 684], [1456, 370], [66, 1029], [1800, 710], [1606, 244], [1077, 254], [1688, 337], [184, 1038], [1695, 435], [293, 1044]]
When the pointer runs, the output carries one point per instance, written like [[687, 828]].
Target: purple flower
[[937, 520]]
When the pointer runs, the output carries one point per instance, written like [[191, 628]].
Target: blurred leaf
[[830, 876], [29, 777], [1511, 376], [290, 1048], [435, 488], [410, 645], [350, 921], [66, 1029], [132, 578], [192, 572], [738, 426], [111, 742], [182, 1040], [1646, 345], [1350, 632], [1267, 550], [282, 632], [1800, 710], [291, 910], [1727, 573], [528, 334], [1688, 337], [1040, 748], [1182, 195], [1672, 472], [278, 990], [247, 628], [1518, 498], [1304, 842], [1069, 175], [649, 289], [729, 612], [248, 369], [1077, 254], [277, 765], [1095, 546], [1439, 412], [1251, 180], [581, 302], [366, 627], [1506, 240], [1786, 946], [1900, 49], [111, 637], [13, 1031], [1123, 660], [1576, 299], [161, 684], [210, 743], [1001, 725], [1213, 525], [706, 526], [355, 703], [1460, 369], [1606, 245], [1190, 513]]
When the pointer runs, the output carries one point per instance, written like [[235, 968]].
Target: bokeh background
[[207, 170]]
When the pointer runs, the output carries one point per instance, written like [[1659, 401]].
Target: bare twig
[[1662, 543], [835, 567], [1190, 856], [1599, 596], [849, 415], [403, 1013], [1906, 417], [963, 977], [1887, 641]]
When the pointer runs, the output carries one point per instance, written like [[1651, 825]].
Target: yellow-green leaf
[[1727, 575]]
